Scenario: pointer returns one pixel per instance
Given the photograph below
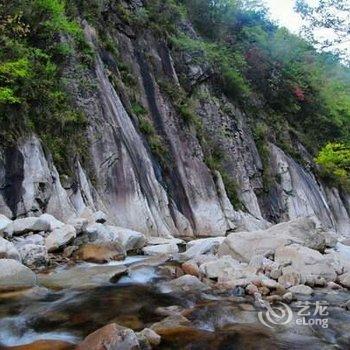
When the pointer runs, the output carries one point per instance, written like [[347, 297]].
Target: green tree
[[334, 159]]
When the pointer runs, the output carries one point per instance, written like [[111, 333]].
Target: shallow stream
[[218, 321]]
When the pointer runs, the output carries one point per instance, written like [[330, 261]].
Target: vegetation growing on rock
[[279, 79]]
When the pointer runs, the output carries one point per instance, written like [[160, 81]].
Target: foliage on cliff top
[[310, 89], [304, 88], [35, 37]]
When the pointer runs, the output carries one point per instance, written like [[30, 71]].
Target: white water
[[14, 331], [126, 262]]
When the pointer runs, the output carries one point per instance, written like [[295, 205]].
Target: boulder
[[4, 221], [80, 224], [204, 258], [22, 226], [60, 237], [101, 252], [238, 277], [301, 289], [14, 276], [149, 336], [269, 283], [244, 245], [334, 286], [186, 283], [160, 249], [339, 258], [8, 250], [110, 337], [30, 239], [303, 231], [213, 269], [331, 239], [33, 255], [99, 233], [170, 322], [289, 278], [82, 277], [344, 280], [201, 246], [190, 268], [275, 273], [251, 289], [52, 221], [32, 250], [129, 239], [263, 264], [162, 240], [288, 297], [310, 263]]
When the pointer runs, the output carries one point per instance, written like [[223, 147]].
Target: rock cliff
[[167, 188]]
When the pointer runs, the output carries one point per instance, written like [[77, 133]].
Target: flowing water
[[218, 321]]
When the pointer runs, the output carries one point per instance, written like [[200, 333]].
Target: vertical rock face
[[136, 190], [30, 183], [232, 135], [338, 207], [300, 195]]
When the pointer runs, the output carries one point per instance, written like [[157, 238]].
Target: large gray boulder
[[310, 263], [129, 239], [8, 250], [244, 245], [32, 250], [99, 233], [60, 237], [52, 221], [212, 269], [33, 255], [15, 276], [184, 283], [201, 246], [25, 225], [80, 224], [160, 249], [303, 231]]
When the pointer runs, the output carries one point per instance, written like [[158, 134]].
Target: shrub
[[334, 159], [227, 65]]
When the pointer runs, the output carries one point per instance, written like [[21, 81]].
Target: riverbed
[[139, 299]]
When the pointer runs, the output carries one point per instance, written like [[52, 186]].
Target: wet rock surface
[[100, 253], [14, 275], [111, 337]]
